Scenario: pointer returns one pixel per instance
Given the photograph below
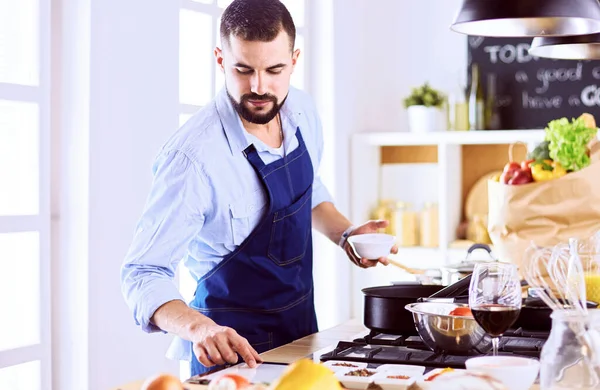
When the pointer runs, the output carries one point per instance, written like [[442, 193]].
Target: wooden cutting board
[[476, 201]]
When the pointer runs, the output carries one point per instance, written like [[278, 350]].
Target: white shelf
[[366, 184], [475, 137]]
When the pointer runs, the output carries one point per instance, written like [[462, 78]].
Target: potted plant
[[425, 109]]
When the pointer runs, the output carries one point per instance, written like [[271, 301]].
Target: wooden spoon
[[405, 268]]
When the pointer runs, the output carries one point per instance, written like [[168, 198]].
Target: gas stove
[[377, 348]]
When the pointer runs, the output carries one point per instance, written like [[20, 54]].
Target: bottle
[[476, 102], [458, 118], [405, 225], [492, 116], [380, 213], [429, 226]]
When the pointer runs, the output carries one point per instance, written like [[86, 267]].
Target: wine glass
[[495, 298]]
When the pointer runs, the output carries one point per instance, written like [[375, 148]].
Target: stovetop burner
[[378, 348]]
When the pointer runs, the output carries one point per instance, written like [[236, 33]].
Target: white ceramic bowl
[[517, 373], [372, 246]]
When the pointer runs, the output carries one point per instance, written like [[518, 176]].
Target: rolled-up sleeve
[[173, 215]]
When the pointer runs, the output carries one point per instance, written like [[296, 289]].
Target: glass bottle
[[405, 225], [588, 251], [458, 107], [476, 101], [564, 360], [429, 226], [381, 212], [492, 116]]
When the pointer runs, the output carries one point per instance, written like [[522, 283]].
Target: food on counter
[[162, 382], [229, 382], [305, 374], [437, 374], [398, 377], [344, 365], [514, 174], [541, 152], [565, 149], [459, 380], [361, 372], [569, 141], [461, 311], [547, 170]]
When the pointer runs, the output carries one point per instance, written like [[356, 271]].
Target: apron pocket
[[291, 230]]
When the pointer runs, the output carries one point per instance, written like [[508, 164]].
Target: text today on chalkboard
[[533, 91]]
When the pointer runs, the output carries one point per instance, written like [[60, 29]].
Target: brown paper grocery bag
[[544, 213]]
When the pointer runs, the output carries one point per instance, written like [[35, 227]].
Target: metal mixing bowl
[[441, 332]]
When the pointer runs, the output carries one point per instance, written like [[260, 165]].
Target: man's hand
[[369, 227], [215, 345]]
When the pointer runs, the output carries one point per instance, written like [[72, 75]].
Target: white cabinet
[[438, 166]]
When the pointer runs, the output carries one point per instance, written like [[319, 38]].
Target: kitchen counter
[[324, 340]]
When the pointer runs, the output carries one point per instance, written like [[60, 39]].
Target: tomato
[[462, 312]]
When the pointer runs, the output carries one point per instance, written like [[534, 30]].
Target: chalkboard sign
[[532, 91]]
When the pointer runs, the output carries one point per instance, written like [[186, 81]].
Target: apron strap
[[252, 155]]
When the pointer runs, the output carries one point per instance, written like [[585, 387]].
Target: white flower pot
[[422, 119]]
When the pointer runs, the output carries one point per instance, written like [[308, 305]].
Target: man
[[236, 195]]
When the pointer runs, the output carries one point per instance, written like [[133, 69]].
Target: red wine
[[495, 319]]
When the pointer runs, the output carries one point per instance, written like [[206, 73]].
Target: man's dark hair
[[257, 20]]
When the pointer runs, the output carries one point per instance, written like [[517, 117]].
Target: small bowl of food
[[516, 373], [356, 378], [396, 379], [372, 246], [340, 365]]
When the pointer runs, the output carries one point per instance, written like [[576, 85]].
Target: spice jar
[[382, 212], [405, 225], [429, 226]]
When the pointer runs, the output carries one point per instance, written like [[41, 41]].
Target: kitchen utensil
[[453, 272], [442, 332], [405, 268], [372, 246], [384, 307], [535, 315], [517, 373], [476, 201]]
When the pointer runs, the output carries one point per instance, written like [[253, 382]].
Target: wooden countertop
[[322, 341]]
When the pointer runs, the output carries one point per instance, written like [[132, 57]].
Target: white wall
[[382, 49], [120, 91]]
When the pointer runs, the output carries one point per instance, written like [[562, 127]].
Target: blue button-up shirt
[[199, 209]]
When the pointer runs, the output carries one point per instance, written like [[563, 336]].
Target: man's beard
[[258, 117]]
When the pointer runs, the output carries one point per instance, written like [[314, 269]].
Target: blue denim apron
[[264, 289]]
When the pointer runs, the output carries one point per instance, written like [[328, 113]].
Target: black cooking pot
[[384, 307], [535, 315]]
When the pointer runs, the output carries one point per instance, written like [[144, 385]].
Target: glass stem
[[495, 343]]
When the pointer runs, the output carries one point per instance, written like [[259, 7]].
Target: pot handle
[[480, 246], [454, 290]]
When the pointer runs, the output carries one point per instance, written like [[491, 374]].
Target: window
[[24, 195], [200, 79]]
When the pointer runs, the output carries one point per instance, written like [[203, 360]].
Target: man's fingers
[[368, 263], [381, 223], [227, 352], [202, 356], [246, 351], [213, 352], [395, 249], [384, 260]]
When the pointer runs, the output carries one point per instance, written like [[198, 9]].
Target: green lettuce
[[568, 142]]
